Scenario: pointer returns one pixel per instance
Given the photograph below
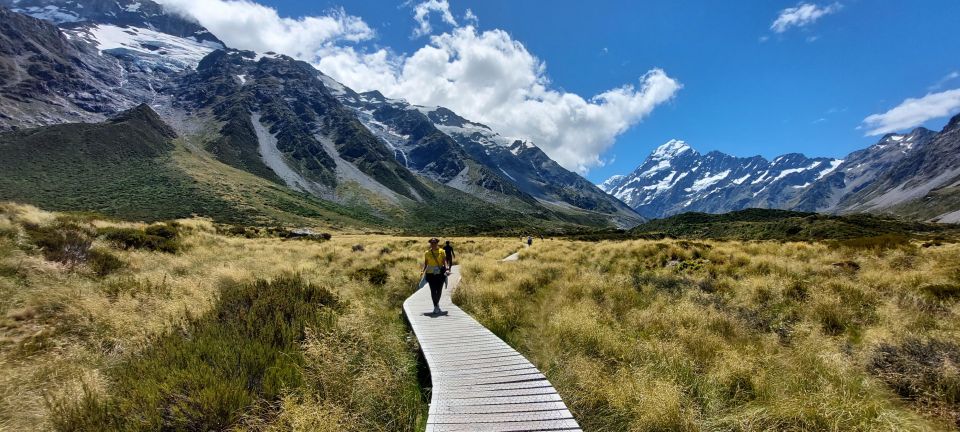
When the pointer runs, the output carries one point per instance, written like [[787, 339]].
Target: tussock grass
[[213, 334], [731, 335]]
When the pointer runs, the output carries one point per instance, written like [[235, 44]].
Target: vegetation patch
[[206, 375], [162, 237], [924, 371]]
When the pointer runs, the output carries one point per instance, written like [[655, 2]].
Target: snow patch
[[787, 172], [242, 78], [670, 149], [833, 166], [331, 84], [707, 181], [741, 179], [166, 50], [661, 165], [607, 184]]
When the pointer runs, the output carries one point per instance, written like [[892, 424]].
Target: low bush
[[242, 354], [103, 262], [885, 241], [921, 370], [942, 292], [375, 275], [160, 237], [64, 243]]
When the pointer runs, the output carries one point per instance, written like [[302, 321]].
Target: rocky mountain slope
[[916, 175], [470, 156], [276, 118]]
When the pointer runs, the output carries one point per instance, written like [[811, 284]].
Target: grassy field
[[116, 326], [191, 325], [682, 335]]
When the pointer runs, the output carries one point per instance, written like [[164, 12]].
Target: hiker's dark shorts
[[436, 286]]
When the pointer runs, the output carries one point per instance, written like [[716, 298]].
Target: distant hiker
[[448, 249], [435, 270], [529, 241]]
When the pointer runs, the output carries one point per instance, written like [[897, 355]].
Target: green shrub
[[205, 376], [942, 291], [160, 238], [375, 275], [64, 243], [103, 262], [885, 241]]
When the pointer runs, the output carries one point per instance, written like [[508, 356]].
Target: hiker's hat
[[433, 240]]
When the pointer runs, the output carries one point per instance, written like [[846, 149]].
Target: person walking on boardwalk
[[448, 250], [529, 241], [435, 270]]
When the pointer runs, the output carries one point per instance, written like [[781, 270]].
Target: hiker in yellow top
[[435, 270]]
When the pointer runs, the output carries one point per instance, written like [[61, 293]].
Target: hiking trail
[[479, 382]]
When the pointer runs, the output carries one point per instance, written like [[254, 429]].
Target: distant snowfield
[[176, 52]]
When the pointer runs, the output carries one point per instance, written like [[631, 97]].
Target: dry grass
[[636, 335], [67, 332], [679, 335]]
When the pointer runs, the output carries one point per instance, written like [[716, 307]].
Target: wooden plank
[[479, 382]]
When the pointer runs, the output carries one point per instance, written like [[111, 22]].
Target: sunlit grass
[[71, 339], [679, 335]]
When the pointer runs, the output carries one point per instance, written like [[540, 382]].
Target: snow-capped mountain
[[859, 169], [87, 59], [923, 184], [675, 178], [915, 174]]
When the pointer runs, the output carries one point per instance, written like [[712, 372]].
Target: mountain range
[[264, 138], [243, 123], [914, 175]]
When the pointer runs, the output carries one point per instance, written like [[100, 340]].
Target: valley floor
[[190, 325]]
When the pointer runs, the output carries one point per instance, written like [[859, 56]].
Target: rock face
[[47, 78], [309, 128], [859, 170], [924, 183], [144, 14], [916, 175], [675, 178], [470, 156]]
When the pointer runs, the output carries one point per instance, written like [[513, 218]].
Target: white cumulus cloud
[[491, 78], [802, 15], [421, 14], [248, 25], [914, 112]]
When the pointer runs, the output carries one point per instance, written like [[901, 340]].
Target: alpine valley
[[121, 108]]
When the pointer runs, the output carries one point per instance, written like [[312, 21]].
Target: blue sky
[[746, 89]]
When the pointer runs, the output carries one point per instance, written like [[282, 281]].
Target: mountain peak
[[954, 123], [670, 149]]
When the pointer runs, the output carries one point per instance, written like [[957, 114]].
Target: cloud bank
[[802, 15], [913, 112], [247, 25], [485, 76]]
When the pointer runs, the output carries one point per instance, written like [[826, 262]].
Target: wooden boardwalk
[[479, 382]]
